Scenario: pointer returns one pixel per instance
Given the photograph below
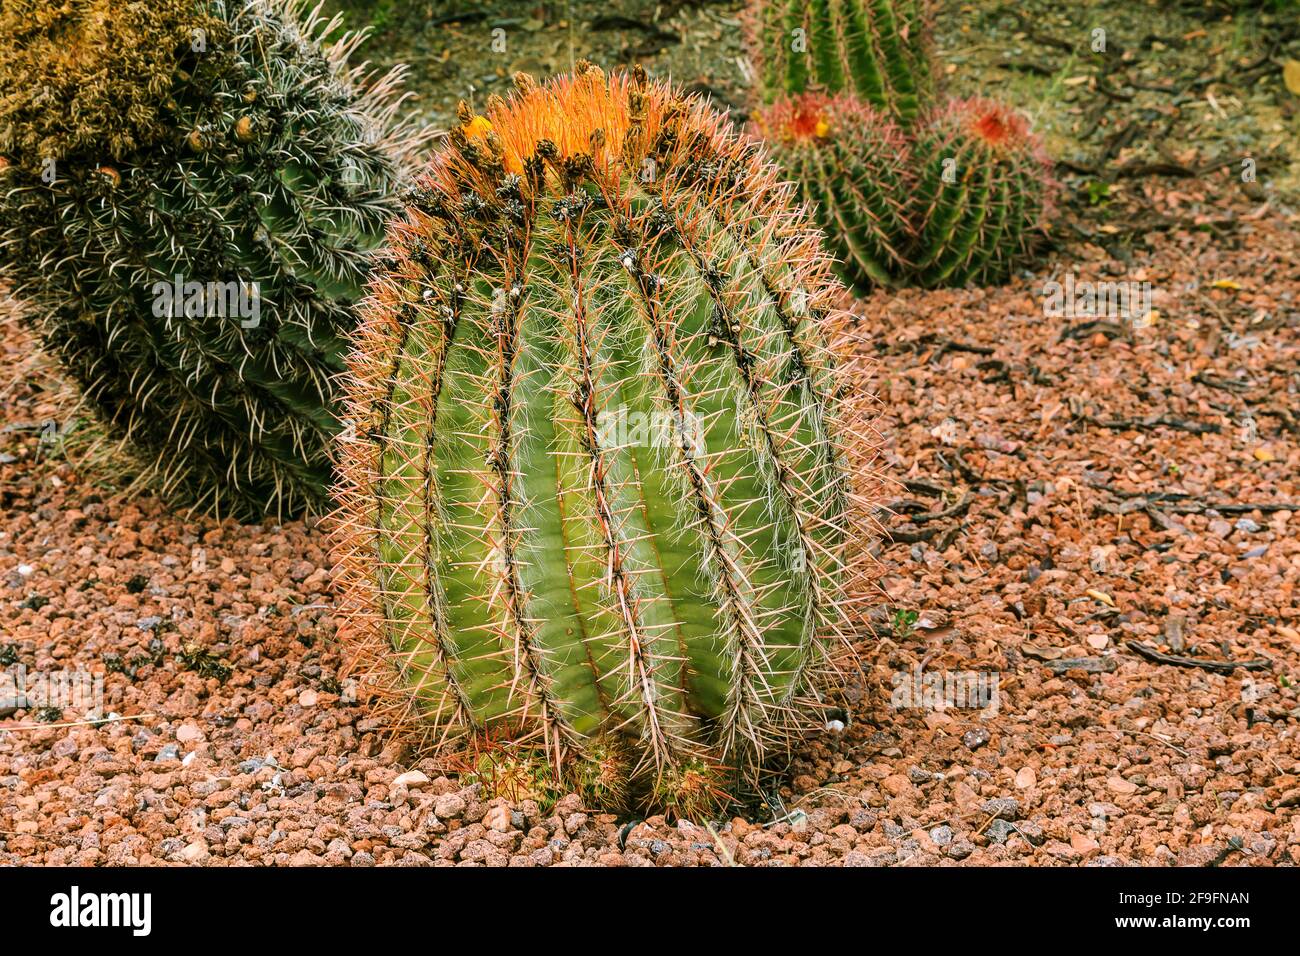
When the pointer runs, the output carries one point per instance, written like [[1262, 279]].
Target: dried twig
[[93, 722], [1153, 421], [1217, 666], [1144, 733]]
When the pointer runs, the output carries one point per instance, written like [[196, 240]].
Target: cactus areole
[[600, 507]]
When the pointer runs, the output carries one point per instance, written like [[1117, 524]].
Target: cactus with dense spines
[[982, 194], [222, 142], [960, 200], [853, 168], [906, 193], [878, 49], [599, 514]]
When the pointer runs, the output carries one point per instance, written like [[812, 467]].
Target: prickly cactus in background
[[982, 193], [853, 167], [191, 191], [878, 49], [598, 519]]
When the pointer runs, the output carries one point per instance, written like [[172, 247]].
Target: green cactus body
[[853, 168], [982, 195], [601, 513], [250, 166], [877, 49]]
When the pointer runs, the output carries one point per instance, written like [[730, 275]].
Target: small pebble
[[961, 849], [1003, 808], [999, 830]]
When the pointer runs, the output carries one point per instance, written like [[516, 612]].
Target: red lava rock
[[498, 818]]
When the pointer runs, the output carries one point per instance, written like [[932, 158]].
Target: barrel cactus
[[853, 166], [191, 193], [982, 194], [878, 49], [598, 517]]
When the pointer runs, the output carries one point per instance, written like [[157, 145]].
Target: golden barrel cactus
[[601, 516]]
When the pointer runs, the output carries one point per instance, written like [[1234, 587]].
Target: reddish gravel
[[1049, 554]]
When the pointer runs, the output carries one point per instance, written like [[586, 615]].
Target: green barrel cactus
[[983, 192], [878, 49], [853, 168], [191, 195], [598, 518]]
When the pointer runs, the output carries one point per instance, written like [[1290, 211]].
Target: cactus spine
[[876, 49], [190, 196], [600, 512], [853, 167]]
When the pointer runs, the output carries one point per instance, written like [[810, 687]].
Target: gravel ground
[[1031, 544]]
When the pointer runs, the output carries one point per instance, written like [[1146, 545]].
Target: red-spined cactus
[[600, 515], [879, 50], [853, 166], [983, 192]]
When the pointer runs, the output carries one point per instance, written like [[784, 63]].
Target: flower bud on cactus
[[192, 193], [982, 194], [878, 49], [853, 168], [599, 519]]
